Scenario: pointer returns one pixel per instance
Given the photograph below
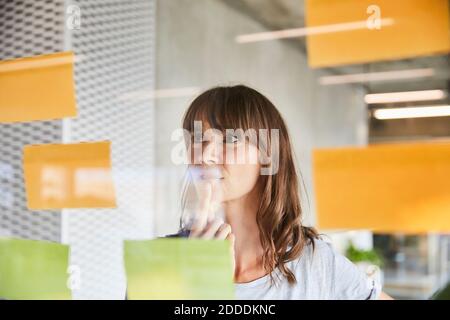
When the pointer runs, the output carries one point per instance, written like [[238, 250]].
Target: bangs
[[220, 109]]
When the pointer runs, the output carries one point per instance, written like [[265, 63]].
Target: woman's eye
[[232, 139]]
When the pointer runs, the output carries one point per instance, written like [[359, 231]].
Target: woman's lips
[[207, 174], [206, 177]]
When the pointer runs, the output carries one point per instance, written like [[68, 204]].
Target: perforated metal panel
[[27, 28], [115, 45], [114, 48]]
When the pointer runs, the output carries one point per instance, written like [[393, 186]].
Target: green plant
[[443, 293], [356, 255]]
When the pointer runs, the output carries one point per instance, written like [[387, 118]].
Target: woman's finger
[[212, 229], [215, 200], [201, 217], [223, 232]]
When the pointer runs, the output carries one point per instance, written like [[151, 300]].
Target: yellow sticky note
[[61, 176], [177, 268], [385, 188], [37, 88], [346, 31]]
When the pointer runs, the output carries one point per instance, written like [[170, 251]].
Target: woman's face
[[229, 163]]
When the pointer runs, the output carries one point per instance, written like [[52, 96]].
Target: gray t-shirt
[[320, 274]]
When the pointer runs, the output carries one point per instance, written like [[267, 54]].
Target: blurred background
[[326, 65]]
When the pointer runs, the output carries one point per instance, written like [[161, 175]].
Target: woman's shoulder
[[321, 247], [317, 254], [316, 247], [328, 271]]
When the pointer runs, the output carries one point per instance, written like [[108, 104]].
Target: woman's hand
[[215, 229], [206, 225]]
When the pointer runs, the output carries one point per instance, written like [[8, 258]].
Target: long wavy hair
[[279, 216]]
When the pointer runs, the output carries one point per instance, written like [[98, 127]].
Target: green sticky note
[[33, 270], [179, 269]]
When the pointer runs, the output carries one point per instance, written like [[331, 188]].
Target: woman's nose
[[211, 154]]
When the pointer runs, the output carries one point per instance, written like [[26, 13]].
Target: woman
[[275, 256]]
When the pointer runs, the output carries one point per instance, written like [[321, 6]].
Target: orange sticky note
[[384, 188], [359, 31], [59, 176], [37, 88]]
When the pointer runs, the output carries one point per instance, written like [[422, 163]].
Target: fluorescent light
[[302, 32], [392, 97], [412, 112], [376, 76], [160, 93]]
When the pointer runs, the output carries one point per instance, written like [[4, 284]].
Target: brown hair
[[279, 217]]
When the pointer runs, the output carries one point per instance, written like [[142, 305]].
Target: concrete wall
[[196, 48]]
